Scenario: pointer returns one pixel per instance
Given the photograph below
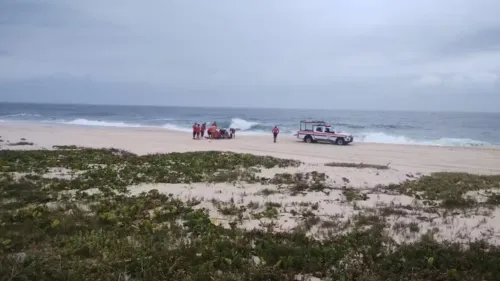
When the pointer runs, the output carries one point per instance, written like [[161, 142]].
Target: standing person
[[203, 128], [276, 131], [198, 130], [194, 130]]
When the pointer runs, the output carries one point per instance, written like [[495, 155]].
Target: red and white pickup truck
[[320, 131]]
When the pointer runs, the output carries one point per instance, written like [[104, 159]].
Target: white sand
[[405, 162]]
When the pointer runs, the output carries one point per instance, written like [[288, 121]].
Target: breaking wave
[[242, 125]]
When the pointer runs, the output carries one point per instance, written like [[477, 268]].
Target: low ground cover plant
[[65, 214]]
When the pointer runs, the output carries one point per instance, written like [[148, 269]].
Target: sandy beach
[[402, 158]]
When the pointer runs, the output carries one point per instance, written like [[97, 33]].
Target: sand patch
[[345, 176], [53, 173], [268, 207]]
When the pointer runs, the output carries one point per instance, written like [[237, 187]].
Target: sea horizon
[[250, 107]]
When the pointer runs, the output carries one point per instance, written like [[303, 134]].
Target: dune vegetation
[[67, 214]]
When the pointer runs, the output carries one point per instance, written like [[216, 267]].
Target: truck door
[[328, 135], [319, 133]]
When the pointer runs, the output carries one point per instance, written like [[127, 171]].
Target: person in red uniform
[[276, 131], [194, 130]]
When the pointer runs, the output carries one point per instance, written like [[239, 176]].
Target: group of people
[[213, 133], [199, 130]]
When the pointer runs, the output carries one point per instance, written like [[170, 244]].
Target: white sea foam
[[172, 127], [21, 115], [99, 123], [241, 124], [391, 139]]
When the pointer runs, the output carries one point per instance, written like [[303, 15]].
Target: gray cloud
[[382, 55], [486, 39], [32, 12]]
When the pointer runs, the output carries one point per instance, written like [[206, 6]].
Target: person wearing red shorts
[[194, 130]]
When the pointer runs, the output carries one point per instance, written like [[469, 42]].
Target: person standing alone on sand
[[276, 131]]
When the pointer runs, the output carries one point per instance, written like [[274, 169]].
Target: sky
[[354, 54]]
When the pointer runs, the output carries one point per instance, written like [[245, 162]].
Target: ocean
[[426, 128]]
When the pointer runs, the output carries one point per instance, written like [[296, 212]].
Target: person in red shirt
[[276, 131], [194, 130]]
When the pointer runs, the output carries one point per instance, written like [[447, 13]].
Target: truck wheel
[[340, 141], [308, 139]]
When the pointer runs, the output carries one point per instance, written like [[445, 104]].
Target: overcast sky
[[384, 54]]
